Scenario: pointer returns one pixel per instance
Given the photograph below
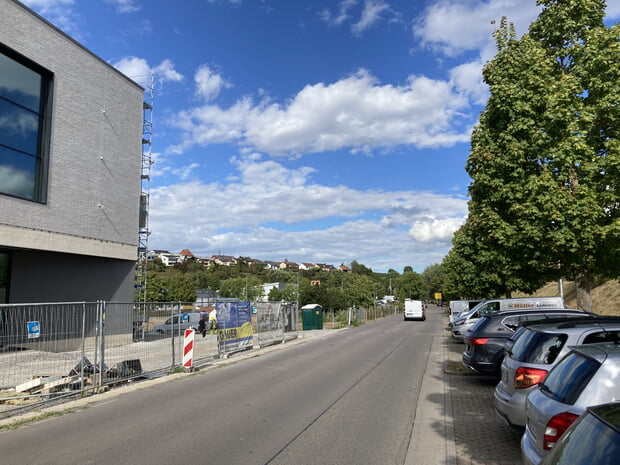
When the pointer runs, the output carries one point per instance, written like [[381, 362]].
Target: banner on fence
[[269, 322], [234, 326]]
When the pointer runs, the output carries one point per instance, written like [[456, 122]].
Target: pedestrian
[[202, 326]]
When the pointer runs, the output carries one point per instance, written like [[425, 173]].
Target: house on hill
[[185, 254], [224, 260], [289, 266]]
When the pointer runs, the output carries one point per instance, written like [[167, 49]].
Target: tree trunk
[[582, 285]]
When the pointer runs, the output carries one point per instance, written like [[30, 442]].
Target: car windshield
[[489, 308], [538, 347], [567, 379]]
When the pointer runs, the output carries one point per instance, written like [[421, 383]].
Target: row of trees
[[545, 159], [333, 290]]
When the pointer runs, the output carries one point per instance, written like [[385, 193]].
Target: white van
[[457, 307], [489, 307], [414, 310], [179, 322]]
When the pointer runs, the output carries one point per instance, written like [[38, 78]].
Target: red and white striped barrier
[[188, 348]]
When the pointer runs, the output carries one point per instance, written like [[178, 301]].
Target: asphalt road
[[347, 398]]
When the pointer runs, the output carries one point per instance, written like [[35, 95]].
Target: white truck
[[414, 310], [459, 306], [467, 319]]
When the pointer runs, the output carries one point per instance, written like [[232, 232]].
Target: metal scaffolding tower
[[148, 84]]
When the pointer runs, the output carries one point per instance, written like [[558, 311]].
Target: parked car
[[537, 349], [484, 349], [414, 310], [593, 439], [586, 376], [489, 307], [179, 322]]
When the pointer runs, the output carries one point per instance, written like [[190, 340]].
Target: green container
[[312, 317]]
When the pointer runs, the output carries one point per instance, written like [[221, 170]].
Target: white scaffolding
[[148, 83]]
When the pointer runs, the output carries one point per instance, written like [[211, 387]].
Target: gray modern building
[[70, 167]]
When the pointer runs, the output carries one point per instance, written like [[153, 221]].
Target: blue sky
[[315, 131]]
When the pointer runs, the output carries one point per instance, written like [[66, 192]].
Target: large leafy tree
[[545, 158], [410, 285], [243, 288]]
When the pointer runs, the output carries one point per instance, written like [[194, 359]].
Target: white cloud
[[455, 26], [370, 15], [613, 9], [58, 12], [220, 216], [165, 70], [185, 172], [208, 83], [467, 78], [435, 229], [125, 6], [342, 14], [355, 112], [139, 70]]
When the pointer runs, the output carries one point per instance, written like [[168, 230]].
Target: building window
[[25, 108]]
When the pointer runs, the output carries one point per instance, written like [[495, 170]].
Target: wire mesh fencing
[[54, 350]]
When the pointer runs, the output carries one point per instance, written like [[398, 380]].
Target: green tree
[[243, 288], [358, 268], [478, 266], [181, 288], [156, 265], [156, 288], [288, 294], [359, 290], [545, 158], [432, 279], [409, 285]]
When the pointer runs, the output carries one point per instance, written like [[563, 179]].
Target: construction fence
[[52, 351]]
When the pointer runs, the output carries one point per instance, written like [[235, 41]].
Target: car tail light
[[527, 377], [556, 427], [477, 341]]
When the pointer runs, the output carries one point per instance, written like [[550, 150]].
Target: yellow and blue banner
[[234, 326]]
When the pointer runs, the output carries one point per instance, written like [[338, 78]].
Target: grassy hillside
[[605, 297]]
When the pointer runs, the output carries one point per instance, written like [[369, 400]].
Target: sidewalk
[[455, 422]]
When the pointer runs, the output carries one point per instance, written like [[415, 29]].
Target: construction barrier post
[[188, 349]]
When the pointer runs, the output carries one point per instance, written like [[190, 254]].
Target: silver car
[[587, 376], [537, 349], [593, 439]]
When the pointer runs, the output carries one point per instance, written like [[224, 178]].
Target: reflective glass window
[[568, 379], [24, 106]]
